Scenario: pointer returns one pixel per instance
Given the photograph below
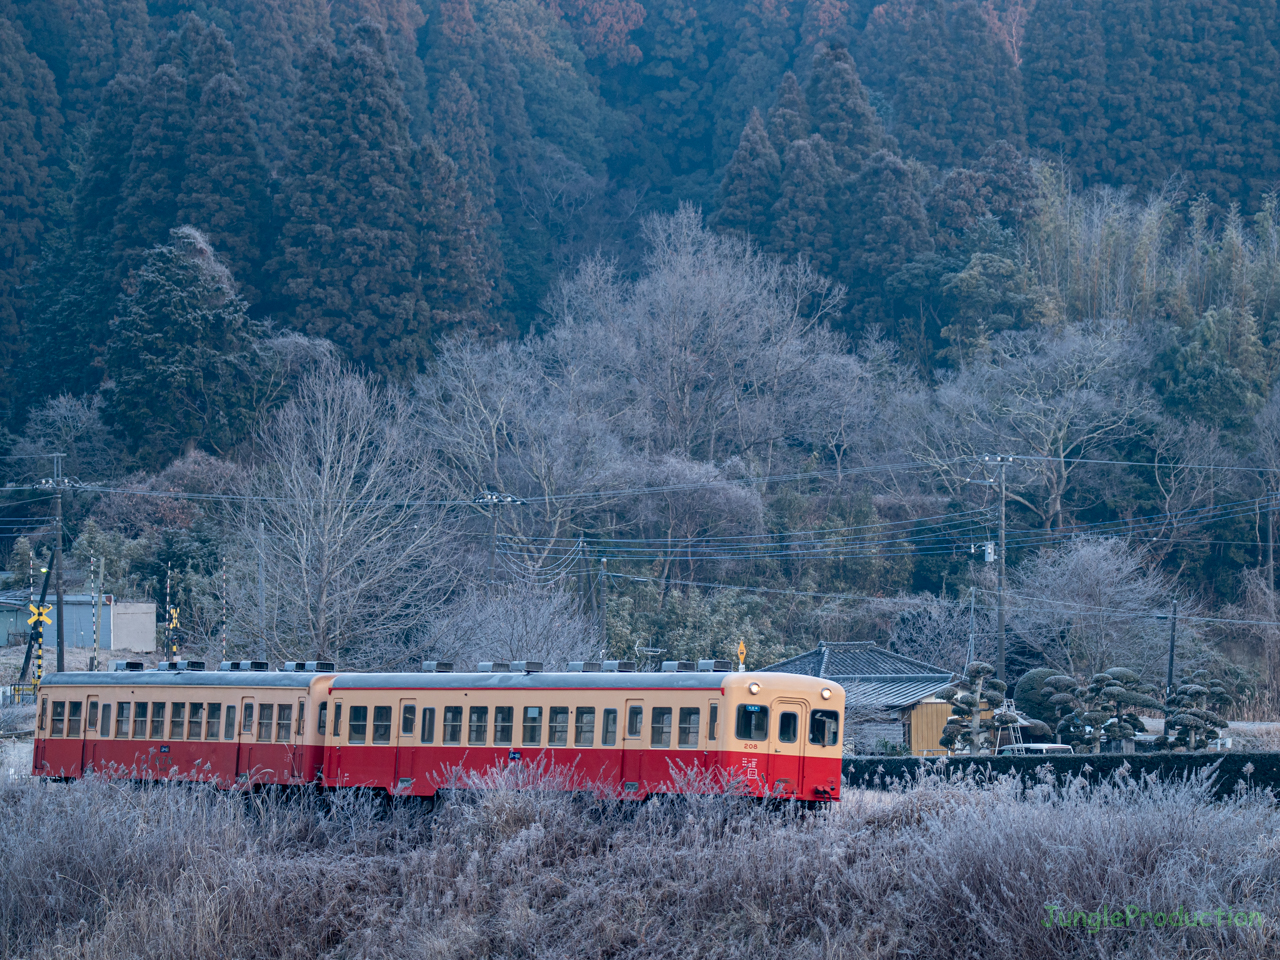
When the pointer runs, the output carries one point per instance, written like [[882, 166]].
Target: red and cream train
[[631, 734]]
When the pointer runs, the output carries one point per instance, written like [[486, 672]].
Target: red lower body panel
[[421, 770]]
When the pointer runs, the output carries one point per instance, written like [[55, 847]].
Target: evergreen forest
[[636, 328]]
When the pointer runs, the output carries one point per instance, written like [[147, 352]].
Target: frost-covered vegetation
[[937, 869]]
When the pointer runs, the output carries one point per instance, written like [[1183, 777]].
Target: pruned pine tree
[[182, 357], [750, 185], [967, 728], [1192, 721]]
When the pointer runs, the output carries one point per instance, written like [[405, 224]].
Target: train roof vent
[[189, 665], [224, 666], [308, 666], [584, 666], [254, 666], [494, 666], [714, 666], [165, 665], [619, 666], [437, 666], [127, 666], [677, 666], [526, 666], [321, 666]]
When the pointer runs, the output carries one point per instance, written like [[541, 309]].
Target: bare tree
[[514, 621], [1054, 399], [358, 534], [1094, 604]]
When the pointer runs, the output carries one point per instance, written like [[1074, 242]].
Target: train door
[[406, 721], [333, 746], [297, 749], [633, 749], [244, 742], [90, 732], [786, 747]]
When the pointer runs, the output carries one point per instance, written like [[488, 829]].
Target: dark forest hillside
[[738, 294]]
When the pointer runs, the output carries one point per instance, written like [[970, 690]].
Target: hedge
[[1264, 768]]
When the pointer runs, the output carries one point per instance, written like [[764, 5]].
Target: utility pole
[[97, 617], [1173, 633], [493, 500], [224, 608], [969, 659], [604, 620], [168, 617], [57, 558], [1002, 462], [262, 593]]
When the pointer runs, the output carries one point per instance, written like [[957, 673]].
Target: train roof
[[433, 681], [185, 678]]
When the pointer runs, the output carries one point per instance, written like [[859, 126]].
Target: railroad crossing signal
[[173, 618], [38, 614]]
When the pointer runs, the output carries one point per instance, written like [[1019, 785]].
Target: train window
[[92, 722], [44, 709], [478, 727], [337, 720], [248, 720], [302, 710], [356, 724], [713, 720], [229, 728], [824, 728], [558, 727], [381, 724], [690, 719], [139, 721], [322, 717], [266, 713], [788, 727], [157, 721], [408, 719], [635, 721], [73, 718], [58, 718], [609, 729], [122, 719], [502, 724], [532, 726], [177, 720], [213, 721], [753, 722], [428, 725], [660, 727], [105, 729], [452, 725], [584, 727], [284, 723], [195, 722]]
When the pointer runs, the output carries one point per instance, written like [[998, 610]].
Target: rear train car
[[411, 734]]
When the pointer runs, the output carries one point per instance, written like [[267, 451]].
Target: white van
[[1034, 749]]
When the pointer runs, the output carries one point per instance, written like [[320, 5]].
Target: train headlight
[[754, 688], [826, 693]]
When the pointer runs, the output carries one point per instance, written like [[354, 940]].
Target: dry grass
[[941, 869]]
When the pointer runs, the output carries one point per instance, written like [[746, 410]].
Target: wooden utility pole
[[1173, 634]]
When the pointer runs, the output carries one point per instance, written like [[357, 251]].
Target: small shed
[[126, 624], [891, 701]]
